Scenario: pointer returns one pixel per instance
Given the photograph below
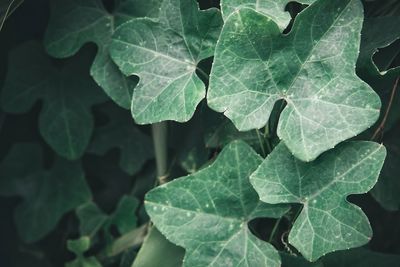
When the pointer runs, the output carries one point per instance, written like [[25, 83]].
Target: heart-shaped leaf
[[327, 221], [65, 120], [47, 194], [275, 9], [74, 23], [207, 212], [164, 53], [312, 69]]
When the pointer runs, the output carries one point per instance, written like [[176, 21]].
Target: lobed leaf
[[46, 194], [74, 23], [327, 222], [207, 212], [164, 53], [312, 68]]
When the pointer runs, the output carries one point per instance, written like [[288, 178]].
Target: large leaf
[[164, 54], [327, 222], [47, 194], [207, 212], [311, 68], [275, 9], [74, 23], [65, 120], [121, 132]]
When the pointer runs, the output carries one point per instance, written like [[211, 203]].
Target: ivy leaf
[[75, 23], [387, 189], [65, 120], [164, 54], [121, 132], [78, 247], [275, 9], [207, 212], [311, 68], [327, 222], [47, 194]]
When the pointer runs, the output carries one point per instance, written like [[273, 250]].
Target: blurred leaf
[[47, 194]]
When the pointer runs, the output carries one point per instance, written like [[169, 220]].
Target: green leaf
[[124, 217], [164, 53], [275, 9], [327, 222], [387, 189], [65, 119], [121, 132], [207, 212], [47, 194], [158, 251], [74, 23], [91, 219], [311, 68], [78, 247]]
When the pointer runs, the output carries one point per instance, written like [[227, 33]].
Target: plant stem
[[261, 141], [271, 236], [160, 148], [203, 73]]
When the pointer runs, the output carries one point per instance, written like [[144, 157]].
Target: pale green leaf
[[46, 194], [312, 68], [275, 9], [207, 212], [164, 53], [121, 132], [65, 120], [78, 247], [91, 219], [327, 222], [74, 23]]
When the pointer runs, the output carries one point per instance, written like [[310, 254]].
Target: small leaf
[[78, 247], [207, 212], [74, 23], [164, 53], [47, 194], [311, 68], [91, 219], [158, 251], [124, 217], [65, 120], [275, 9], [327, 222], [121, 132]]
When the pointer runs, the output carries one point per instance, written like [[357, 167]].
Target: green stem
[[261, 141], [272, 235], [160, 148], [203, 73]]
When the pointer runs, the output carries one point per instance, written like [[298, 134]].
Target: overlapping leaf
[[311, 68], [47, 194], [120, 132], [327, 221], [74, 23], [65, 120], [164, 54], [207, 212], [275, 9]]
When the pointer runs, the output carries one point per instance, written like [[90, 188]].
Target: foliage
[[142, 133]]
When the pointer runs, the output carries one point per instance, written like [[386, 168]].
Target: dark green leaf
[[47, 194], [65, 120]]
